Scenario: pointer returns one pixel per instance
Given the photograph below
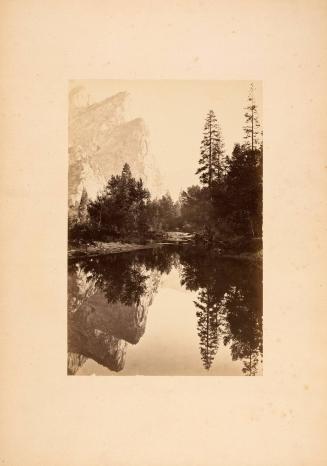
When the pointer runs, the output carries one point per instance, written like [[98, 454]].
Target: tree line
[[226, 204], [123, 210], [229, 201]]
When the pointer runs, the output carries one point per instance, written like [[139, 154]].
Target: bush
[[80, 233]]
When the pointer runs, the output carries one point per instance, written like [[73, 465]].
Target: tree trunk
[[251, 224], [210, 156], [100, 217], [252, 125]]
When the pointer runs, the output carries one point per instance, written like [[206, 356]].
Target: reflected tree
[[207, 315], [123, 277], [228, 307], [119, 277], [199, 273], [242, 330], [159, 259]]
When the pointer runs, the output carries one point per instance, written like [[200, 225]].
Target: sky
[[174, 112]]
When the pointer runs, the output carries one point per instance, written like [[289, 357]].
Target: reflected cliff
[[205, 319], [108, 302]]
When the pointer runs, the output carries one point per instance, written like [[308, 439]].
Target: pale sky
[[174, 112]]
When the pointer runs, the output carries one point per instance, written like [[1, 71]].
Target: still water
[[171, 310]]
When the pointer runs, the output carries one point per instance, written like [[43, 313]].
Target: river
[[171, 310]]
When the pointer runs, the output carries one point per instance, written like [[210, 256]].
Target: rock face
[[101, 140]]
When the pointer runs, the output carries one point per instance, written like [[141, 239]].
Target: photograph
[[165, 228]]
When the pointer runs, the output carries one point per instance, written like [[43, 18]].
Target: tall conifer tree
[[252, 134], [82, 209], [212, 152]]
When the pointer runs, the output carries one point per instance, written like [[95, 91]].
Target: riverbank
[[98, 248], [255, 257], [227, 250], [241, 248]]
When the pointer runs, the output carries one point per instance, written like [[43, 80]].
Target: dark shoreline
[[111, 248], [103, 249]]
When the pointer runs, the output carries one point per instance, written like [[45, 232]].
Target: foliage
[[243, 194], [252, 126], [211, 160], [163, 214], [80, 233], [196, 208], [83, 207], [229, 205], [120, 209]]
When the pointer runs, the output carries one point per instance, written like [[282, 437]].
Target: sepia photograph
[[165, 228]]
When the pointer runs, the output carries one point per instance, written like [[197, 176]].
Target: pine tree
[[252, 133], [243, 196], [212, 152], [82, 209], [126, 172], [120, 209]]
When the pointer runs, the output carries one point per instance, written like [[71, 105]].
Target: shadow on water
[[109, 298]]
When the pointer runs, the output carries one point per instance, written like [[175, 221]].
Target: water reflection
[[229, 306], [109, 298]]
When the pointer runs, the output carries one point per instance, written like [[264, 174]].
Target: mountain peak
[[101, 141]]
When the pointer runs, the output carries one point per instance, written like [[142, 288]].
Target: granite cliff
[[100, 140]]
